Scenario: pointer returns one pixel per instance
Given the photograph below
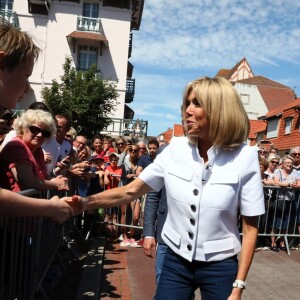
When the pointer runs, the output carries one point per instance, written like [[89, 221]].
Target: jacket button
[[189, 247], [192, 221], [195, 192], [193, 208], [191, 235]]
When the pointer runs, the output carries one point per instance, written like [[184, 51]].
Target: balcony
[[135, 129], [130, 87], [89, 24], [10, 16]]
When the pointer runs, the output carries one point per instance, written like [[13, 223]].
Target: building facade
[[89, 31]]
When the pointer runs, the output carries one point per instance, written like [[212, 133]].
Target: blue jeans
[[180, 278], [159, 260]]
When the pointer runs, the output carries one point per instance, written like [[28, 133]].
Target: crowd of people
[[201, 183], [282, 172], [45, 153]]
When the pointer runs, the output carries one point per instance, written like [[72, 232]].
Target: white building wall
[[252, 100], [50, 31]]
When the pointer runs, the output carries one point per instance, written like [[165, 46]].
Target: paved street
[[129, 274]]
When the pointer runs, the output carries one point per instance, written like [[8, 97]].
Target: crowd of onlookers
[[45, 153], [283, 172]]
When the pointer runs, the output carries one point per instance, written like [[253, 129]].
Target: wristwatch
[[239, 284]]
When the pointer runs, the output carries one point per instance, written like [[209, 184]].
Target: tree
[[85, 97]]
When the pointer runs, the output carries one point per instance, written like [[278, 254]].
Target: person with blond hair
[[17, 56], [209, 176]]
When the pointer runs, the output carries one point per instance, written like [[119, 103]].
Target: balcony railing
[[89, 24], [130, 87], [136, 129], [10, 16]]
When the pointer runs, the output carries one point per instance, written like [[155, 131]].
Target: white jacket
[[203, 200]]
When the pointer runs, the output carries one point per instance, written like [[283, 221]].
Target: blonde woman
[[208, 176]]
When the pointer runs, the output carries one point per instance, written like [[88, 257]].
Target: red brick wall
[[285, 141]]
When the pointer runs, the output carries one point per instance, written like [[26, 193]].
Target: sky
[[181, 40]]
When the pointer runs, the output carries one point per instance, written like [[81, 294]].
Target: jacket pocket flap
[[181, 171], [218, 245], [224, 178], [171, 234]]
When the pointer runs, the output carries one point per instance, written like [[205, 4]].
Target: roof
[[225, 73], [178, 130], [255, 127], [273, 93], [262, 81], [83, 35], [137, 12], [281, 109]]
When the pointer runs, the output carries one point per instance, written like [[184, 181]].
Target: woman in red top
[[22, 164]]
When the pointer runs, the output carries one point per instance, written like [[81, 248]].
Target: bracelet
[[85, 202], [239, 284]]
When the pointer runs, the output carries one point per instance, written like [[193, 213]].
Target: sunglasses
[[36, 130], [120, 144], [133, 150], [68, 136], [275, 162], [296, 154]]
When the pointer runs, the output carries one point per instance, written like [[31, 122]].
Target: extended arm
[[15, 205], [110, 198]]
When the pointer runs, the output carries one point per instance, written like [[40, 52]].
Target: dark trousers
[[180, 278]]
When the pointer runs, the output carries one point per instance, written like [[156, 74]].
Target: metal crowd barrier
[[282, 217], [27, 248]]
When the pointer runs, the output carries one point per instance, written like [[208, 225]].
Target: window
[[6, 4], [259, 137], [288, 126], [87, 57], [245, 98], [272, 130], [90, 10]]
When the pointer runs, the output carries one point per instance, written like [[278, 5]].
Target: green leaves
[[84, 96]]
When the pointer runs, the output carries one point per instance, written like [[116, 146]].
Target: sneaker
[[125, 243]]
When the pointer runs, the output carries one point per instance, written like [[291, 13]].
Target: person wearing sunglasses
[[295, 153], [22, 164], [273, 162]]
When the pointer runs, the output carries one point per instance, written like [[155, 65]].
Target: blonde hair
[[72, 132], [272, 156], [228, 121], [34, 116], [17, 46]]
